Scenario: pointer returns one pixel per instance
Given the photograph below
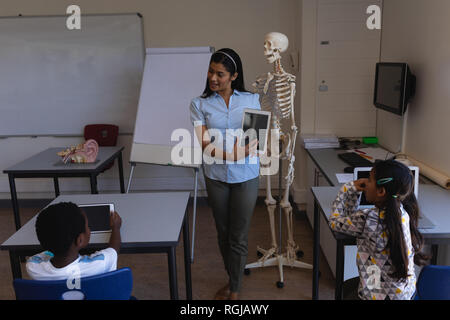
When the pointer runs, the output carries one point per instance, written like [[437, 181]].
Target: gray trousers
[[232, 205]]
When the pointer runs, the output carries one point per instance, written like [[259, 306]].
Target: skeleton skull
[[82, 153], [274, 44]]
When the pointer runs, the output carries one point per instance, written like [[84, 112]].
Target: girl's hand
[[361, 184]]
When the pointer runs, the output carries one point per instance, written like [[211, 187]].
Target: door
[[347, 52]]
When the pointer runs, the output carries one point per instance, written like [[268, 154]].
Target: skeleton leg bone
[[269, 199], [271, 257], [270, 252]]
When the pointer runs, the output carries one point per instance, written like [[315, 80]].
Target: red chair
[[105, 135]]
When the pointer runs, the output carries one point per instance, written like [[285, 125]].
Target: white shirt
[[39, 266]]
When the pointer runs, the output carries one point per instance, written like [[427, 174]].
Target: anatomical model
[[277, 92], [82, 153]]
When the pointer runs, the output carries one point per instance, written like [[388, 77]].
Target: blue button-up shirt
[[213, 113]]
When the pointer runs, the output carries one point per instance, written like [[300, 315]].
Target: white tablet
[[256, 124], [98, 215]]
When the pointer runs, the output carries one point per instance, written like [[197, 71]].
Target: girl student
[[388, 240]]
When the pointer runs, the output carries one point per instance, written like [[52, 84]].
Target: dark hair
[[58, 226], [400, 190], [222, 56]]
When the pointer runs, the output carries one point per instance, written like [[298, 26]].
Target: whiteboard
[[54, 81], [172, 78]]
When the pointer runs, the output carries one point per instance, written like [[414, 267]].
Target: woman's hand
[[361, 184], [243, 152]]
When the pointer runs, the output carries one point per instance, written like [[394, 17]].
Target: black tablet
[[98, 215], [255, 124]]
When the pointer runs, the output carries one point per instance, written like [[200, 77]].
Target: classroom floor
[[150, 275]]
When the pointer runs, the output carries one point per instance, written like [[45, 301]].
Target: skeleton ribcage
[[277, 99]]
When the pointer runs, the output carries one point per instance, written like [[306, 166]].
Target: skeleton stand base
[[273, 256]]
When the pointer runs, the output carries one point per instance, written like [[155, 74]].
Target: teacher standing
[[231, 170]]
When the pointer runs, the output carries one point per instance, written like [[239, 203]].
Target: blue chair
[[114, 285], [433, 283]]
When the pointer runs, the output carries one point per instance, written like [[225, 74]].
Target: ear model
[[90, 149]]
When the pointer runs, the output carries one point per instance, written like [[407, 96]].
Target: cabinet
[[327, 242]]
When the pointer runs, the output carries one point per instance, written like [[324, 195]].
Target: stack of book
[[320, 141]]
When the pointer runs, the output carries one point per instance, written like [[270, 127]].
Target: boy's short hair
[[58, 226]]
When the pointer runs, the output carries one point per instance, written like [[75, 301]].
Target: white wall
[[239, 24], [306, 91], [416, 32]]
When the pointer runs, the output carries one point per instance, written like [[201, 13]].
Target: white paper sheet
[[344, 177]]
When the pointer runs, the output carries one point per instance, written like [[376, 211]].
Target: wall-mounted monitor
[[395, 85]]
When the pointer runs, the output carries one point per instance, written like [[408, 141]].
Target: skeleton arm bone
[[293, 127], [290, 176]]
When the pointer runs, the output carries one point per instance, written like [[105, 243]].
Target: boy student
[[62, 230], [388, 240]]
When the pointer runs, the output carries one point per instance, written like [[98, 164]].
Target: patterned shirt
[[372, 259], [213, 113]]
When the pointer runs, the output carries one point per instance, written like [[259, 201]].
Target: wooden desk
[[47, 164], [151, 223]]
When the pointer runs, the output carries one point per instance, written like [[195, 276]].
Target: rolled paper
[[439, 177]]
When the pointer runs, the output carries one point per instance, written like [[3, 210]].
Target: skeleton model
[[277, 91]]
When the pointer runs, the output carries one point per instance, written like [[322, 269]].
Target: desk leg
[[131, 175], [187, 262], [122, 183], [15, 265], [339, 270], [173, 285], [434, 253], [93, 179], [194, 213], [15, 203], [56, 184], [316, 254]]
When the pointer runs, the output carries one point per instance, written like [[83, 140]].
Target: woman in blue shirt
[[231, 170]]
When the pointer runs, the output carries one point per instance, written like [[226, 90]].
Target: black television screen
[[394, 86]]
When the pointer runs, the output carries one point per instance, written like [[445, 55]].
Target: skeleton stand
[[279, 259]]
